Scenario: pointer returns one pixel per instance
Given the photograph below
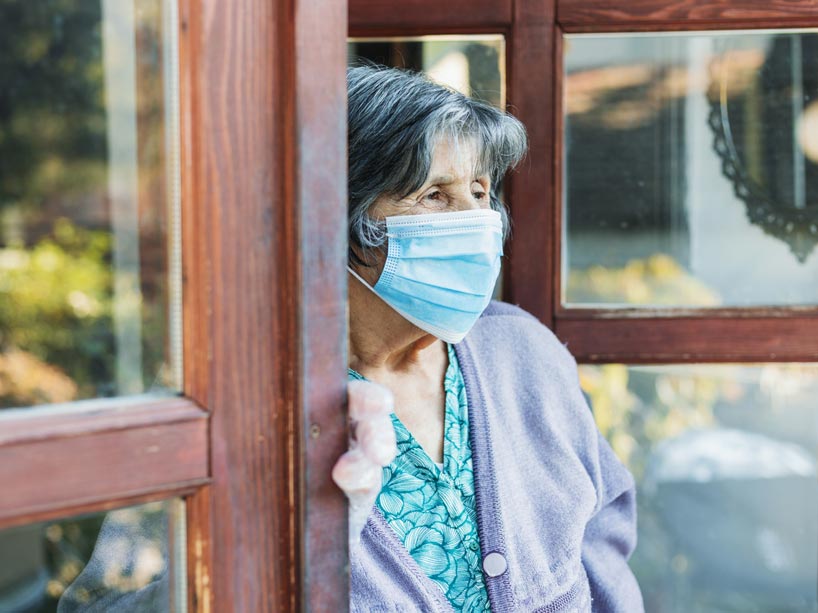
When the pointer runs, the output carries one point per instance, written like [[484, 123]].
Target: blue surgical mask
[[441, 268]]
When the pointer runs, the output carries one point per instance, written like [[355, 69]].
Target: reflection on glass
[[127, 560], [725, 459], [89, 197], [473, 65], [691, 169]]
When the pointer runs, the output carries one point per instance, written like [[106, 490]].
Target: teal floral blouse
[[431, 508]]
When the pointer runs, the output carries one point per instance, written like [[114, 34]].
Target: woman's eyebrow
[[441, 180]]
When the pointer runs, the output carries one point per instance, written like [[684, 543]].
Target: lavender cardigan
[[552, 499]]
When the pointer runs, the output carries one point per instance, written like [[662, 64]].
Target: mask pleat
[[441, 268]]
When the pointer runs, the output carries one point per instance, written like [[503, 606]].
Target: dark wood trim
[[233, 196], [319, 150], [415, 31], [54, 462], [196, 237], [199, 551], [529, 279], [559, 133], [266, 197], [54, 422], [771, 313], [658, 15], [173, 491], [196, 288], [679, 339], [428, 16]]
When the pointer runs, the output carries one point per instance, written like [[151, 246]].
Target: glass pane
[[725, 459], [474, 65], [89, 200], [691, 169], [127, 560]]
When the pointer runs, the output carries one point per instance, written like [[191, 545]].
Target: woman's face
[[451, 185]]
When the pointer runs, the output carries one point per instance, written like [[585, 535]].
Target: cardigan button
[[494, 564]]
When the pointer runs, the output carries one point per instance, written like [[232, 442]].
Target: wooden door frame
[[265, 144], [677, 335]]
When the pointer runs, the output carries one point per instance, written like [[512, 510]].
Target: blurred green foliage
[[55, 303], [52, 114], [57, 331], [55, 279]]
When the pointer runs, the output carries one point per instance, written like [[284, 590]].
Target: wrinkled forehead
[[457, 156]]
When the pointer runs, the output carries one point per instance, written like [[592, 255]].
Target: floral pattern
[[431, 508]]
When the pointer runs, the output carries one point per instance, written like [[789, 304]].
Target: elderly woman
[[501, 495]]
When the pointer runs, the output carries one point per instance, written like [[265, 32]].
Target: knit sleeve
[[610, 538]]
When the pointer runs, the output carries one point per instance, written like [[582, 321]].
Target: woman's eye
[[479, 195], [436, 196]]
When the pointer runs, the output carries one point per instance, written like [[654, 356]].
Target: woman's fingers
[[360, 479], [357, 475], [359, 471], [376, 438], [367, 399]]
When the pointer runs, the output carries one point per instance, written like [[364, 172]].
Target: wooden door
[[248, 148]]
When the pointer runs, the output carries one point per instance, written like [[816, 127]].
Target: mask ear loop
[[361, 279], [433, 330]]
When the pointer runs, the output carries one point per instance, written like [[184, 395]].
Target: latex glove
[[372, 446]]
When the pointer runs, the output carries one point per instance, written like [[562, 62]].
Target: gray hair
[[396, 118]]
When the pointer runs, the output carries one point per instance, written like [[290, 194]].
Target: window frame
[[251, 440], [676, 335]]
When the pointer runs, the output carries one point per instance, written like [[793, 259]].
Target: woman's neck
[[381, 340]]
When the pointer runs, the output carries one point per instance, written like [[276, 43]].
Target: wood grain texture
[[602, 15], [58, 421], [529, 279], [235, 191], [685, 339], [199, 551], [320, 153], [55, 463], [269, 186], [423, 15], [196, 237], [196, 287], [103, 505]]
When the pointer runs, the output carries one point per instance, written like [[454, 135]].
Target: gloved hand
[[372, 446]]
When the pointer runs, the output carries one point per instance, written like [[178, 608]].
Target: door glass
[[690, 174], [472, 64], [130, 559], [89, 201], [725, 458]]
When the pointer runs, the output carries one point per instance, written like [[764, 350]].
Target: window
[[687, 194]]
